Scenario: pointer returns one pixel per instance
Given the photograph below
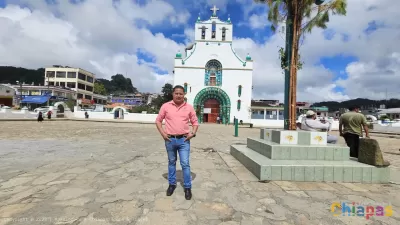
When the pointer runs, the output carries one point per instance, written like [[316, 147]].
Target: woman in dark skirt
[[40, 117], [49, 114]]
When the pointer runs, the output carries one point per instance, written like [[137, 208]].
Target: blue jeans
[[178, 145], [331, 139]]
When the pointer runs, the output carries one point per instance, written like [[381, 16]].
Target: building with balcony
[[77, 79]]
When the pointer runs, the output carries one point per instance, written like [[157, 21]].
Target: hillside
[[362, 102], [9, 74]]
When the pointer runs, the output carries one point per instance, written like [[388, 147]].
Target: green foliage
[[118, 85], [310, 13], [167, 92], [384, 117], [99, 88], [282, 57], [157, 102], [10, 74], [165, 97], [71, 102], [149, 109], [277, 12]]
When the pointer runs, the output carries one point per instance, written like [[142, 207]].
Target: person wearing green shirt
[[350, 128]]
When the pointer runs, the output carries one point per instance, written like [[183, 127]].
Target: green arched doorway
[[213, 93]]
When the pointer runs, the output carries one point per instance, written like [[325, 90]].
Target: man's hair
[[353, 107], [309, 116], [177, 87]]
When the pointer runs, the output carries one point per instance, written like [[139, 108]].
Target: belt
[[177, 136]]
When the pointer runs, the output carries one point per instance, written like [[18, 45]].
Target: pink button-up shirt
[[177, 117]]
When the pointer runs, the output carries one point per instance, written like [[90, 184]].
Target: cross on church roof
[[214, 9]]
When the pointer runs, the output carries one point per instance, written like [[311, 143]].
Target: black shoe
[[171, 189], [188, 193]]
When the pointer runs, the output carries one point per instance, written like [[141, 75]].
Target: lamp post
[[20, 93], [290, 80], [48, 89]]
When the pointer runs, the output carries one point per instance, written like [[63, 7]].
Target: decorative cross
[[214, 9]]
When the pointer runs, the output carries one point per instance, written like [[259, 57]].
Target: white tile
[[289, 137], [318, 138]]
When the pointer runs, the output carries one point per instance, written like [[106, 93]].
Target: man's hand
[[165, 136], [189, 136]]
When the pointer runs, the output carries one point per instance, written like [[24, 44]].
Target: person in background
[[350, 128], [49, 114], [177, 114], [310, 123], [40, 117]]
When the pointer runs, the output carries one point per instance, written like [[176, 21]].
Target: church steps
[[349, 171], [277, 151]]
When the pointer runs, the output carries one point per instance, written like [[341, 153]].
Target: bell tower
[[213, 29]]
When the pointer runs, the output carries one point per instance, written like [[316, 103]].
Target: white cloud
[[83, 37], [258, 21], [375, 72], [104, 38]]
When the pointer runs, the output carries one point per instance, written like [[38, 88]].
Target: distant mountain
[[10, 74], [361, 102]]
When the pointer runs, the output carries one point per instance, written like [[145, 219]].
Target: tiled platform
[[299, 152], [269, 160]]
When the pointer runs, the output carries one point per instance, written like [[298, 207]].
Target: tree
[[99, 89], [118, 85], [147, 108], [10, 74], [125, 84], [167, 92], [295, 12], [71, 102], [157, 102]]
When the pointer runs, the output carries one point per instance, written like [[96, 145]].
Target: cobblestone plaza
[[69, 172]]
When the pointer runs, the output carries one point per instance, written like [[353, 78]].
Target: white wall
[[17, 114], [267, 123], [234, 74], [136, 117]]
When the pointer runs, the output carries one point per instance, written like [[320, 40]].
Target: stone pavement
[[83, 173]]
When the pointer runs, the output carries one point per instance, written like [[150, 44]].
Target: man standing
[[352, 123], [177, 135], [310, 123]]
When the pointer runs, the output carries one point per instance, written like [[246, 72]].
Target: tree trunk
[[297, 19], [293, 64]]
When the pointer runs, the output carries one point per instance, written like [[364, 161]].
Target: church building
[[217, 81]]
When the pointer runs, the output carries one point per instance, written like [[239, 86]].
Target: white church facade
[[217, 81]]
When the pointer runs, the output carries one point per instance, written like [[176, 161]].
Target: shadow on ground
[[179, 176]]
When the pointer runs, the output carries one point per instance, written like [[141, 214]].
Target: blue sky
[[340, 62]]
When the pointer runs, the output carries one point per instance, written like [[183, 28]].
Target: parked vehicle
[[42, 109]]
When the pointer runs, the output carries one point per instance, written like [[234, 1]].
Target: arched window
[[203, 32], [213, 75], [214, 27], [223, 33]]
